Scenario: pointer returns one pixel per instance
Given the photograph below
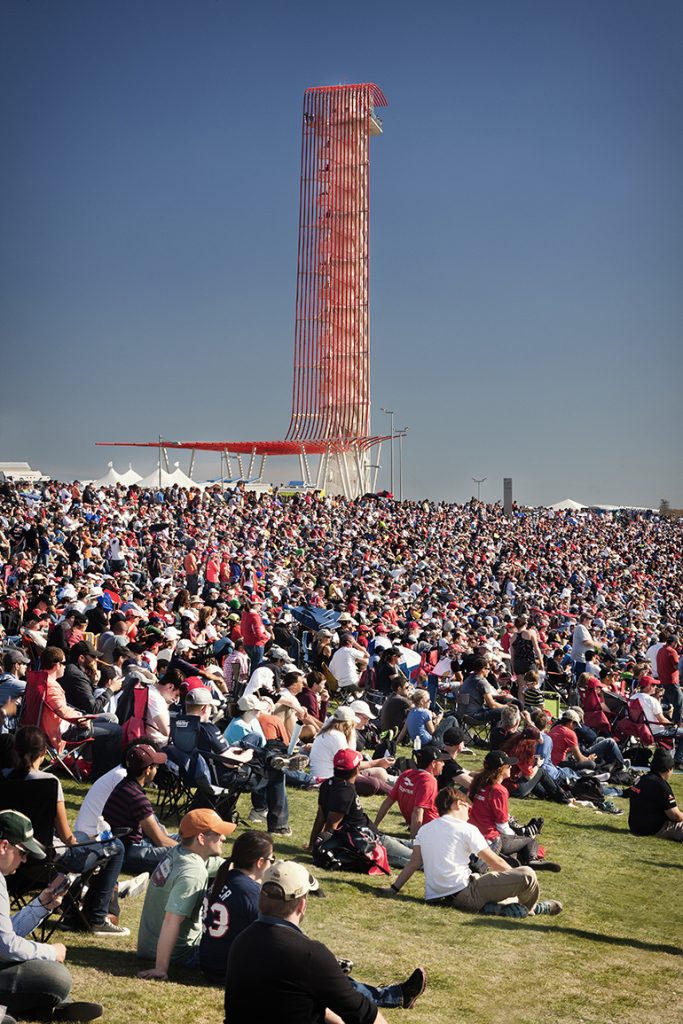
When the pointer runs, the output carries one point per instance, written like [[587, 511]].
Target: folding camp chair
[[201, 783], [37, 799], [35, 710], [477, 730]]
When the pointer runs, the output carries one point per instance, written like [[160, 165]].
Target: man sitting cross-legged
[[444, 848]]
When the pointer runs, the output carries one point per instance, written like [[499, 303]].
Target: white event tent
[[110, 478]]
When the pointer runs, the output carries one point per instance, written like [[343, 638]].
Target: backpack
[[135, 725], [351, 849], [588, 788]]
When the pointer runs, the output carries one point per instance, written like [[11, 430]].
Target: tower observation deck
[[330, 415]]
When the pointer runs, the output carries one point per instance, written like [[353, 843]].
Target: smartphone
[[66, 882]]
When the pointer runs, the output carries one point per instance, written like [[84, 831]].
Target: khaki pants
[[495, 886]]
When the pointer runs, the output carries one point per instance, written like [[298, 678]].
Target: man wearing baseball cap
[[339, 804], [170, 926], [415, 790], [34, 982], [653, 809], [304, 980], [12, 685], [128, 807]]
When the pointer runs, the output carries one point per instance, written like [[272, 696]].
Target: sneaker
[[284, 831], [133, 886], [108, 929], [257, 817], [505, 910], [346, 965], [413, 987], [550, 907], [544, 865], [602, 777], [609, 807], [298, 762], [78, 1011], [626, 764]]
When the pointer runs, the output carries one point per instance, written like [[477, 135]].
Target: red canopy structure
[[330, 414]]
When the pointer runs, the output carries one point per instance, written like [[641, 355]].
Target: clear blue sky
[[526, 232]]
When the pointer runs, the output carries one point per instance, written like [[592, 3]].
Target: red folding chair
[[36, 710]]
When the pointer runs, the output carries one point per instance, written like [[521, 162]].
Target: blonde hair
[[419, 696], [334, 725]]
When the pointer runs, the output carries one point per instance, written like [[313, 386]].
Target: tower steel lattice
[[331, 388]]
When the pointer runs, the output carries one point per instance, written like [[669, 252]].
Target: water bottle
[[417, 744], [104, 832]]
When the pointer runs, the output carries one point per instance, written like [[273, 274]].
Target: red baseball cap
[[346, 760]]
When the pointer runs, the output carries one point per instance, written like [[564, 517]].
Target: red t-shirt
[[416, 788], [667, 666], [489, 808], [564, 739]]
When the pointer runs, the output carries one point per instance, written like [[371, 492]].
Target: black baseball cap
[[428, 754], [496, 759], [662, 760]]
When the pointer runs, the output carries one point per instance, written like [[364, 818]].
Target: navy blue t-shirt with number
[[226, 914]]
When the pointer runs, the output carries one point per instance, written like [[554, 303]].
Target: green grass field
[[614, 955]]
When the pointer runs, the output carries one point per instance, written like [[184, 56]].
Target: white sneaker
[[133, 886], [108, 928], [258, 817]]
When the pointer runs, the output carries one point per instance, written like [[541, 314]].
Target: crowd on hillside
[[345, 648]]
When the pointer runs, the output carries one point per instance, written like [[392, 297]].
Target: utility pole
[[401, 434], [479, 483], [390, 412]]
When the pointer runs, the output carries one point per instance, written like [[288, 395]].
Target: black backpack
[[351, 849], [588, 788]]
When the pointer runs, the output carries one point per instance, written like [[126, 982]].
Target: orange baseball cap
[[204, 820]]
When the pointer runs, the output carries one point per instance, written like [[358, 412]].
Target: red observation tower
[[331, 391]]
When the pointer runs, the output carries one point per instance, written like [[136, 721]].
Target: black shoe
[[78, 1011], [544, 865], [413, 987]]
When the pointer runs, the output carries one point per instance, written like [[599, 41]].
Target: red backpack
[[135, 725]]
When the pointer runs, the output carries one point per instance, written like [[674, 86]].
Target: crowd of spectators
[[126, 603]]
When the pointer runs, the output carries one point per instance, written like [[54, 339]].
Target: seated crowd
[[197, 659]]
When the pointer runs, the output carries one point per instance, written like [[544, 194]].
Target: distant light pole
[[401, 434], [479, 483], [390, 412]]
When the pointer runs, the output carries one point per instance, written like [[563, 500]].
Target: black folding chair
[[37, 799]]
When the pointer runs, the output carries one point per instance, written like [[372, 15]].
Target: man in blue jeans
[[304, 980], [128, 807]]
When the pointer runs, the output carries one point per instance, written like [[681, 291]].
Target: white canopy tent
[[180, 478], [155, 479], [568, 505], [130, 477], [110, 478]]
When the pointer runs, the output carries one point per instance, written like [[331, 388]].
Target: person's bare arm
[[383, 809], [416, 819], [332, 1018], [152, 829], [674, 814], [317, 827], [413, 865], [168, 936], [495, 862], [491, 702]]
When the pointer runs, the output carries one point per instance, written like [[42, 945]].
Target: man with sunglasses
[[34, 983], [170, 926]]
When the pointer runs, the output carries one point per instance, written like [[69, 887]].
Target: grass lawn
[[614, 955]]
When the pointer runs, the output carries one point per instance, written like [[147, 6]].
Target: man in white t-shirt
[[651, 655], [582, 641], [444, 847], [348, 662], [657, 721]]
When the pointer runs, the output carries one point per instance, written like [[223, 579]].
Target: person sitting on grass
[[653, 808], [170, 925], [232, 903], [304, 983], [490, 813], [444, 848], [339, 805], [453, 741], [128, 807], [415, 790]]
